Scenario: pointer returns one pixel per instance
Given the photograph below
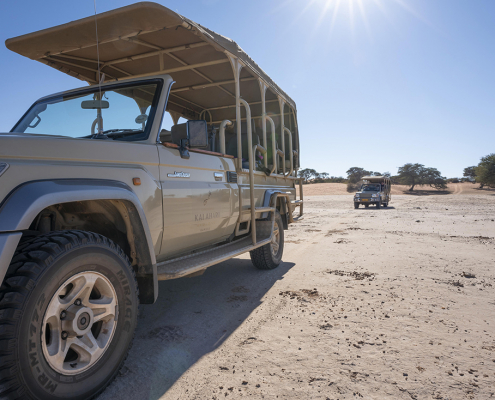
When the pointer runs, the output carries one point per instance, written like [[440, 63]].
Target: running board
[[182, 266]]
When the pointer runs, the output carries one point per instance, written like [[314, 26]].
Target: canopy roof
[[374, 178], [147, 39]]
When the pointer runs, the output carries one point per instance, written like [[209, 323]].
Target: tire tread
[[262, 256], [31, 258]]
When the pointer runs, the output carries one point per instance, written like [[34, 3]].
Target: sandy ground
[[397, 303], [452, 188]]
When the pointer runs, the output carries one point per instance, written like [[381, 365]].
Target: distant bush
[[353, 187], [336, 179], [470, 173], [485, 171], [459, 180], [312, 176], [332, 179]]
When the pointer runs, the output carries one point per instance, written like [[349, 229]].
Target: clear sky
[[377, 83]]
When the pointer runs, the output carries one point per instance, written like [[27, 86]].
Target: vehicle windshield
[[370, 188], [124, 112]]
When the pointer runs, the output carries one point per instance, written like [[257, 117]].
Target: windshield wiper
[[116, 132], [120, 130]]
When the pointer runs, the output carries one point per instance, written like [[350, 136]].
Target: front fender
[[24, 203]]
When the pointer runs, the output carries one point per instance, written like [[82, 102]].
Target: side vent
[[231, 177]]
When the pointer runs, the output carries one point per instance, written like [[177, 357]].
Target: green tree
[[485, 171], [355, 174], [470, 173], [307, 173], [419, 175]]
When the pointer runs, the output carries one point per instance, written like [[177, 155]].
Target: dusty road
[[397, 303]]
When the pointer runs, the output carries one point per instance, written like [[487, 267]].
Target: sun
[[333, 7], [329, 12]]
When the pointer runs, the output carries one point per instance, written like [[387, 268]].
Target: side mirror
[[197, 134]]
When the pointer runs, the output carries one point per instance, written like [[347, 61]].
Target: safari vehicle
[[374, 190], [100, 201]]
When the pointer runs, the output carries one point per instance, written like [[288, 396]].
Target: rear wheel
[[269, 256], [356, 205], [68, 310]]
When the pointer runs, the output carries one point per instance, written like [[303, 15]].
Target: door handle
[[218, 176]]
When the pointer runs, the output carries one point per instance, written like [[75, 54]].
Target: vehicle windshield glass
[[370, 188], [126, 111]]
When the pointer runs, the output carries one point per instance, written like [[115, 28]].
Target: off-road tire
[[39, 266], [366, 205], [385, 205], [356, 205], [379, 204], [262, 257]]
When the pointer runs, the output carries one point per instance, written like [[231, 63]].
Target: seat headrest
[[165, 136], [179, 132]]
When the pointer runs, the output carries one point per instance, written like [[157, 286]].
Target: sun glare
[[331, 12]]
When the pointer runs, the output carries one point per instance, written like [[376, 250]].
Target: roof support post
[[282, 131], [236, 67], [251, 169], [291, 154], [274, 144], [223, 124], [296, 133], [263, 117]]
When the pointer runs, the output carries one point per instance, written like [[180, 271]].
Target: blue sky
[[377, 83]]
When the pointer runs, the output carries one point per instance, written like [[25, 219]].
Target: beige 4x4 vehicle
[[374, 190], [99, 201]]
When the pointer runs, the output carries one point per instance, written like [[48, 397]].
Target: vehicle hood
[[18, 146], [44, 157], [366, 194]]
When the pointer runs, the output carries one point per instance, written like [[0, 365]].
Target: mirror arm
[[183, 150]]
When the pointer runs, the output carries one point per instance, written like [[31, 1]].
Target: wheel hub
[[78, 320], [79, 323]]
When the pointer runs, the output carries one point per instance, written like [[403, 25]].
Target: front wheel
[[69, 302], [269, 256], [356, 205], [379, 204]]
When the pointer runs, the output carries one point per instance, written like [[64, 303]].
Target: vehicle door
[[198, 202]]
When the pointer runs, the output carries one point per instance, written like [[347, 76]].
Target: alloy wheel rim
[[275, 243], [79, 323]]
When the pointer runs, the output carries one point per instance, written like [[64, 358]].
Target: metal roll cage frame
[[276, 153]]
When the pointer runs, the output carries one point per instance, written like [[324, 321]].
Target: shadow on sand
[[191, 318], [427, 192], [374, 208]]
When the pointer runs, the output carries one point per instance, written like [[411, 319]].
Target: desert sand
[[452, 188], [397, 303]]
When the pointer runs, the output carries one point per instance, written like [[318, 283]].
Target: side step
[[189, 264]]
